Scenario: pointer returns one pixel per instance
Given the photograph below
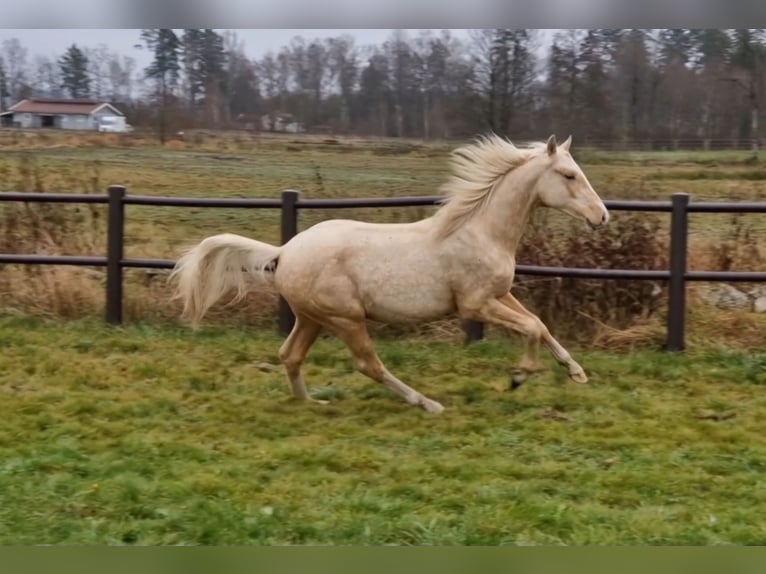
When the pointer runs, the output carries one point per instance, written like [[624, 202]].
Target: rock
[[759, 306], [727, 297]]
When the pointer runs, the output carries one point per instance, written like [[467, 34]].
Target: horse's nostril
[[604, 219]]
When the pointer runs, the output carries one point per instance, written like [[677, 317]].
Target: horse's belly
[[405, 306]]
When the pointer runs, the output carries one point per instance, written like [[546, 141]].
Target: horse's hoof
[[319, 402], [518, 376], [431, 406], [579, 377]]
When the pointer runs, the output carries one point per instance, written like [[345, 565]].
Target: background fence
[[291, 203]]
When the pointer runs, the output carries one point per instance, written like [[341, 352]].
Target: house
[[33, 113], [281, 122]]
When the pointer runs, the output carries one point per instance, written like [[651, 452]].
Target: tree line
[[600, 84]]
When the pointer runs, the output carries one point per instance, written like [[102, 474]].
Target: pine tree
[[163, 70], [74, 72]]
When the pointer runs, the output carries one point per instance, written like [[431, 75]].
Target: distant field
[[144, 435], [241, 166]]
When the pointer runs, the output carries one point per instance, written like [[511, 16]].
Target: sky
[[53, 42]]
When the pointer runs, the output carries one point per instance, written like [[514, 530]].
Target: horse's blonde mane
[[476, 170]]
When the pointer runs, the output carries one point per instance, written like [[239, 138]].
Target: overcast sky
[[53, 43]]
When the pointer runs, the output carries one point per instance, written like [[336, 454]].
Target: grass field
[[143, 435], [153, 434]]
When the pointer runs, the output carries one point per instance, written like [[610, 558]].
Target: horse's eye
[[569, 176]]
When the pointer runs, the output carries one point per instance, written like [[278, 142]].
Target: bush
[[582, 309]]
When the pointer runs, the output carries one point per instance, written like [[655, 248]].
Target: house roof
[[60, 106]]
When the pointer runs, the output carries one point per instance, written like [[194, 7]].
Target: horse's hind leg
[[356, 337], [293, 353]]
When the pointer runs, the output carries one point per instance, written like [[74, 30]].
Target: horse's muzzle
[[597, 225]]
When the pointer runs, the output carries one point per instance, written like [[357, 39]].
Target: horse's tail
[[218, 265]]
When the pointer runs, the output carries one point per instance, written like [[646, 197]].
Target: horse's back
[[392, 271]]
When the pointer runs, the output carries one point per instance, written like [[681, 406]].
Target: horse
[[461, 260]]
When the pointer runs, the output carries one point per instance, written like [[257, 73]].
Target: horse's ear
[[567, 143], [551, 145]]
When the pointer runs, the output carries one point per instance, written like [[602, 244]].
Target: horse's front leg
[[506, 311], [576, 372]]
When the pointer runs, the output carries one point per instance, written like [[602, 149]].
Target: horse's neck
[[508, 212]]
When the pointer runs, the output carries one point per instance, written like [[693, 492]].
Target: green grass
[[149, 435]]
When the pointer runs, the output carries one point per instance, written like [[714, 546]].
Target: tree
[[431, 57], [676, 46], [596, 103], [267, 71], [283, 77], [241, 82], [462, 105], [3, 85], [711, 47], [343, 69], [74, 72], [402, 62], [374, 94], [120, 78], [564, 80], [712, 54], [15, 58], [747, 60], [47, 77], [204, 58], [307, 67], [191, 57], [316, 56], [163, 70], [98, 70], [214, 75], [505, 66], [633, 83], [677, 87]]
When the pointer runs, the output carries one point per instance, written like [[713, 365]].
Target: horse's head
[[563, 186]]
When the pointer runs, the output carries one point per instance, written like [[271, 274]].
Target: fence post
[[114, 253], [679, 235], [290, 199], [474, 331]]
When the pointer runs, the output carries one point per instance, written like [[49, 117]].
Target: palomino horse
[[339, 273]]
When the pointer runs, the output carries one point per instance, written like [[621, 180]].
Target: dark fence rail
[[669, 144], [291, 203]]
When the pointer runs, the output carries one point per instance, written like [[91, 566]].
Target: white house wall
[[63, 121], [25, 120], [77, 122]]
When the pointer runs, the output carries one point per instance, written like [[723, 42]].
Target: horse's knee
[[532, 328]]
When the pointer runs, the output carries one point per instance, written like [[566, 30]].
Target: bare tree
[[98, 70], [15, 58], [343, 70], [121, 78], [47, 77]]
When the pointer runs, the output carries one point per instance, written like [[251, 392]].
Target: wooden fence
[[290, 204]]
